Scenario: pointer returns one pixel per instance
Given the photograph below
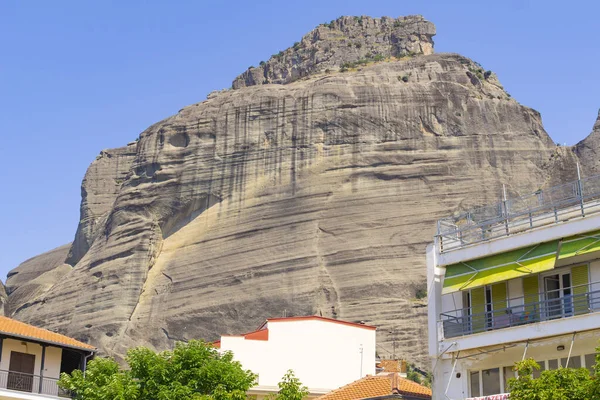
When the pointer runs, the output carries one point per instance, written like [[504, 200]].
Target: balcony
[[523, 311], [30, 384], [545, 207]]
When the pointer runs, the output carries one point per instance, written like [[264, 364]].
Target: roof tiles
[[11, 327], [378, 385]]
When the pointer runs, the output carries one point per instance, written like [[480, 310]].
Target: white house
[[514, 280], [31, 360], [324, 353]]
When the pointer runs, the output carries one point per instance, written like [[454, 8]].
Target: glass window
[[590, 361], [490, 379], [508, 373], [538, 372], [475, 384], [574, 362], [552, 364]]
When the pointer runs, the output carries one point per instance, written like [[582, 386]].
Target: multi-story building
[[32, 359], [324, 353], [518, 279]]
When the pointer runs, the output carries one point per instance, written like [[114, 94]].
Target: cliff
[[342, 41], [313, 196]]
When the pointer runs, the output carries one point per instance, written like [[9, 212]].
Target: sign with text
[[504, 396]]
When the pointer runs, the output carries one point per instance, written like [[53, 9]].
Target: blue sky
[[80, 76]]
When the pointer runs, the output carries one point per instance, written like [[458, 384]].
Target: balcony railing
[[22, 382], [544, 207], [523, 310]]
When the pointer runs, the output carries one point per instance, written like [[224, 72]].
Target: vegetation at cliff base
[[558, 384], [192, 371]]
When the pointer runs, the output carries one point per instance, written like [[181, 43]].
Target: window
[[508, 374], [574, 362], [552, 364], [475, 384], [538, 372], [488, 306], [590, 361], [490, 379]]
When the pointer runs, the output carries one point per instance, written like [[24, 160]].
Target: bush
[[379, 57], [487, 74], [421, 293], [358, 45], [296, 45]]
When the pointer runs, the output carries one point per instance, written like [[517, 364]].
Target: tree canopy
[[558, 384], [192, 371]]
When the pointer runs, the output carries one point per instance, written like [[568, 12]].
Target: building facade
[[324, 353], [32, 359], [518, 279]]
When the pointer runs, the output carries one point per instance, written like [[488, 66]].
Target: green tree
[[192, 371], [558, 384], [290, 388], [413, 375]]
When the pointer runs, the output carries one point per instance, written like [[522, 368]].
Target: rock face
[[345, 40], [99, 191], [317, 196], [588, 150]]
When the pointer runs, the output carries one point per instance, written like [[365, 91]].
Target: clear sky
[[80, 76]]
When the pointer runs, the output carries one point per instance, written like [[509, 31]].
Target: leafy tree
[[290, 388], [103, 380], [412, 375], [192, 371], [558, 384]]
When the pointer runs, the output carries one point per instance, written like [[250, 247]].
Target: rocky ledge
[[342, 41]]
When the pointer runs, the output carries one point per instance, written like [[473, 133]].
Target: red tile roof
[[392, 365], [369, 386], [21, 330], [376, 386], [262, 333], [410, 388], [318, 318]]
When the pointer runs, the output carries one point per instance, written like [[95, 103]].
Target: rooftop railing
[[544, 207], [554, 304], [22, 382]]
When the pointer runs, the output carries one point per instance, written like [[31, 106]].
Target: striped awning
[[579, 244], [501, 267]]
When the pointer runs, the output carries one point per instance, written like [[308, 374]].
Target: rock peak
[[344, 40]]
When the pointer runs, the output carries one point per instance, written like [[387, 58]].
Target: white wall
[[323, 355]]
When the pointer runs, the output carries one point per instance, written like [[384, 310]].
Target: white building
[[31, 360], [515, 280], [324, 353]]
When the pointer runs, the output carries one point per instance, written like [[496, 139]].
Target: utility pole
[[394, 337]]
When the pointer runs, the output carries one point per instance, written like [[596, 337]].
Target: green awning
[[500, 267], [579, 244]]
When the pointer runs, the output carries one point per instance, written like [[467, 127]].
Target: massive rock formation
[[345, 40], [316, 196], [588, 150]]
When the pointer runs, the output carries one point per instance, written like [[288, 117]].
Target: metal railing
[[525, 310], [22, 382], [544, 207]]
